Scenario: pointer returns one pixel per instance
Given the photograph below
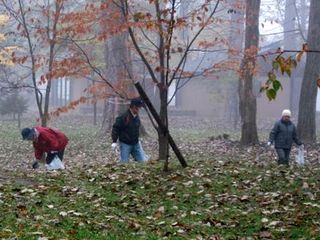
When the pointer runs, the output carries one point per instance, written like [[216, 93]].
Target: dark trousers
[[51, 156], [283, 155]]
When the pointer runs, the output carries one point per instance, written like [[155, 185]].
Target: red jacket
[[49, 140]]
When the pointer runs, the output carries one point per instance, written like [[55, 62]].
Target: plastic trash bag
[[300, 156], [146, 157], [55, 164]]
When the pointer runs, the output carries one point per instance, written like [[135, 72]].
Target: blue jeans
[[283, 155], [135, 150]]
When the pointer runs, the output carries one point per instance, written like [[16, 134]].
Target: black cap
[[27, 133], [138, 102]]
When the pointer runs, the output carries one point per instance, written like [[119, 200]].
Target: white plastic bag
[[300, 156], [55, 164], [146, 157]]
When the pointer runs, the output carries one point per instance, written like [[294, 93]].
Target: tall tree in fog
[[291, 42], [117, 61], [295, 31], [236, 37], [302, 14], [248, 102], [308, 96]]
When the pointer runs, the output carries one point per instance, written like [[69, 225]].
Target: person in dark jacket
[[282, 136], [45, 140], [126, 130]]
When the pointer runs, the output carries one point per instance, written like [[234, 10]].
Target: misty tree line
[[114, 44]]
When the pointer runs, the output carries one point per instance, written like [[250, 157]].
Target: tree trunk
[[94, 113], [290, 43], [118, 63], [19, 120], [45, 116], [108, 113], [161, 126], [248, 103], [163, 137], [308, 96], [235, 42]]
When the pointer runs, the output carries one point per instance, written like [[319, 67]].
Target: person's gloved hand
[[114, 146], [269, 144], [35, 164]]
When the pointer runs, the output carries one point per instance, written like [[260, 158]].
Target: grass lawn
[[224, 195]]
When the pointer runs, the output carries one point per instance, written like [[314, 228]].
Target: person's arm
[[38, 153], [295, 137], [274, 132], [116, 128]]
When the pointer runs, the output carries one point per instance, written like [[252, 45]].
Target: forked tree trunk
[[248, 103], [308, 96]]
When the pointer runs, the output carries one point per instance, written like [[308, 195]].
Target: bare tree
[[36, 31], [248, 102], [236, 39]]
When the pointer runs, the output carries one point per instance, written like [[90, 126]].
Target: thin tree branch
[[193, 40], [95, 69]]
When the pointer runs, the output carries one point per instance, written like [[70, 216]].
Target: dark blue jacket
[[126, 128], [284, 134]]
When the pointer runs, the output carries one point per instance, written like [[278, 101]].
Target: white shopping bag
[[300, 156], [55, 164]]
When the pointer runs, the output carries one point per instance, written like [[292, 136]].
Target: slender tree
[[248, 103], [236, 39], [31, 29]]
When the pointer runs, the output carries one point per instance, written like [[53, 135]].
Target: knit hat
[[27, 133], [286, 112]]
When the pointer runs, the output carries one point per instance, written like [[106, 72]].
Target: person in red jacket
[[45, 140]]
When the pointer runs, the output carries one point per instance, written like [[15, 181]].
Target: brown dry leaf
[[265, 234], [22, 210], [299, 56], [159, 212], [305, 185]]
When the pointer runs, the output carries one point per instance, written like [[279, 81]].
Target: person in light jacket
[[283, 135]]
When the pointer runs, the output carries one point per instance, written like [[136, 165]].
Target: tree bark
[[308, 96], [248, 103], [163, 136]]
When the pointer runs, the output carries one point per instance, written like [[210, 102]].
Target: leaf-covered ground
[[225, 193]]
